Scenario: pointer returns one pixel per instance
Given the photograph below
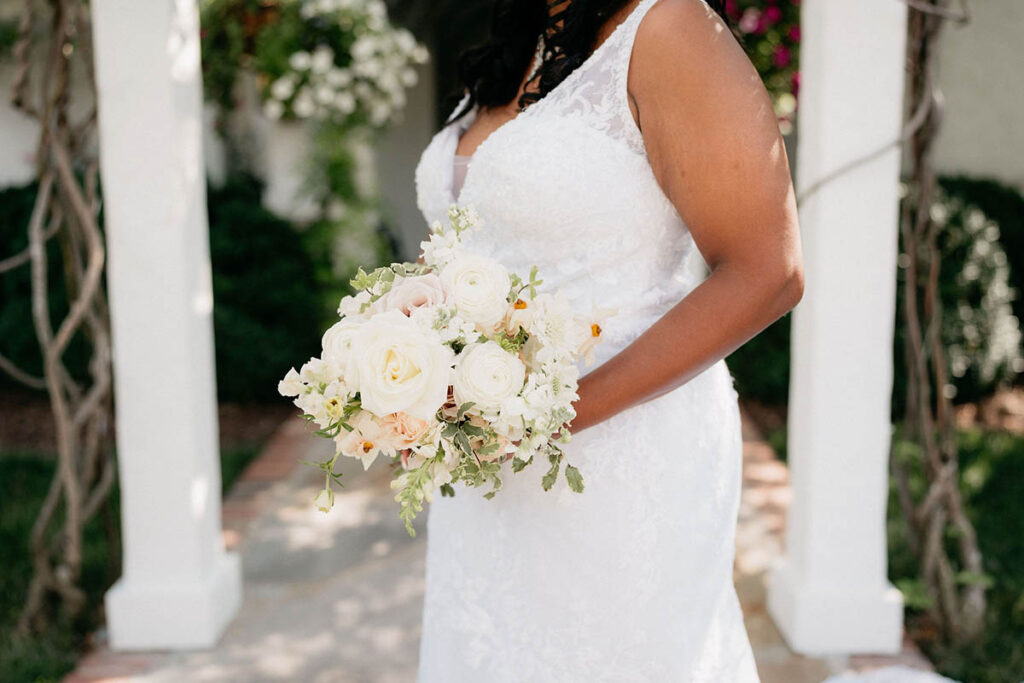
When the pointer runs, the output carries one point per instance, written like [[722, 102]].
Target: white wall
[[982, 78], [399, 153]]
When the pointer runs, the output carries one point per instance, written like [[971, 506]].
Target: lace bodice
[[613, 241]]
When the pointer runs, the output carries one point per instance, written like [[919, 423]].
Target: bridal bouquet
[[449, 367]]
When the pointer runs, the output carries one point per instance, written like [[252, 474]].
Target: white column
[[179, 588], [830, 593]]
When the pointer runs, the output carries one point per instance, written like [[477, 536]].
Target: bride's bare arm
[[714, 145]]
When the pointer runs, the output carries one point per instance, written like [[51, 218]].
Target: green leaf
[[465, 407], [574, 478], [552, 474], [462, 441], [982, 579], [518, 464], [447, 490], [473, 430]]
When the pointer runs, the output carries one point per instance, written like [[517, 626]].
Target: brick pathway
[[337, 598]]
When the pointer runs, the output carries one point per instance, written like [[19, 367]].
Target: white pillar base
[[842, 620], [174, 616]]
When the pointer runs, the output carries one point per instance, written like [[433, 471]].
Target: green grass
[[26, 477]]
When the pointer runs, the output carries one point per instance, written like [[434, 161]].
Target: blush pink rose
[[409, 293], [401, 430]]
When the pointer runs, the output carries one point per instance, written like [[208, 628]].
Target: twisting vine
[[940, 533], [66, 210]]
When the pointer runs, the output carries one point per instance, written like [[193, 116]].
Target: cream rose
[[488, 376], [478, 287], [409, 293], [397, 367]]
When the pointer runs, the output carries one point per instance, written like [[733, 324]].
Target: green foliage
[[8, 36], [761, 366], [992, 478], [980, 267], [267, 309], [18, 340], [979, 331], [26, 477], [267, 292], [1004, 205]]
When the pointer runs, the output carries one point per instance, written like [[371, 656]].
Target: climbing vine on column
[[54, 85]]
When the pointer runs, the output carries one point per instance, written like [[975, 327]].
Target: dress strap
[[626, 36]]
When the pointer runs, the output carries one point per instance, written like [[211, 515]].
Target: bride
[[608, 142]]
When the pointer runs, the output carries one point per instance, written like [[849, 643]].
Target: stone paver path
[[338, 597]]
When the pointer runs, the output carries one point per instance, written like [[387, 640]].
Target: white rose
[[488, 376], [478, 287], [396, 367]]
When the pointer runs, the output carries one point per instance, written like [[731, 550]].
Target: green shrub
[[267, 305], [981, 285], [992, 478], [269, 301], [46, 657], [18, 340]]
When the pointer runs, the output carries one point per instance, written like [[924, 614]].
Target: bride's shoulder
[[686, 45]]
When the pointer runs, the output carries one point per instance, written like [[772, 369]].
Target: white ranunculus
[[337, 341], [478, 287], [488, 376], [396, 366]]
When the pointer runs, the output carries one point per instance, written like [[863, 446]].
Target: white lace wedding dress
[[632, 579]]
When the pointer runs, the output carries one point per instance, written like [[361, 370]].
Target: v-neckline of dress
[[462, 125]]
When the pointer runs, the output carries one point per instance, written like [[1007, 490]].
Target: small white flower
[[300, 61], [304, 106], [291, 385], [324, 500], [338, 78], [322, 59], [345, 103], [283, 88], [273, 110]]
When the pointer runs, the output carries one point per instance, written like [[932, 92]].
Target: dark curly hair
[[491, 73]]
